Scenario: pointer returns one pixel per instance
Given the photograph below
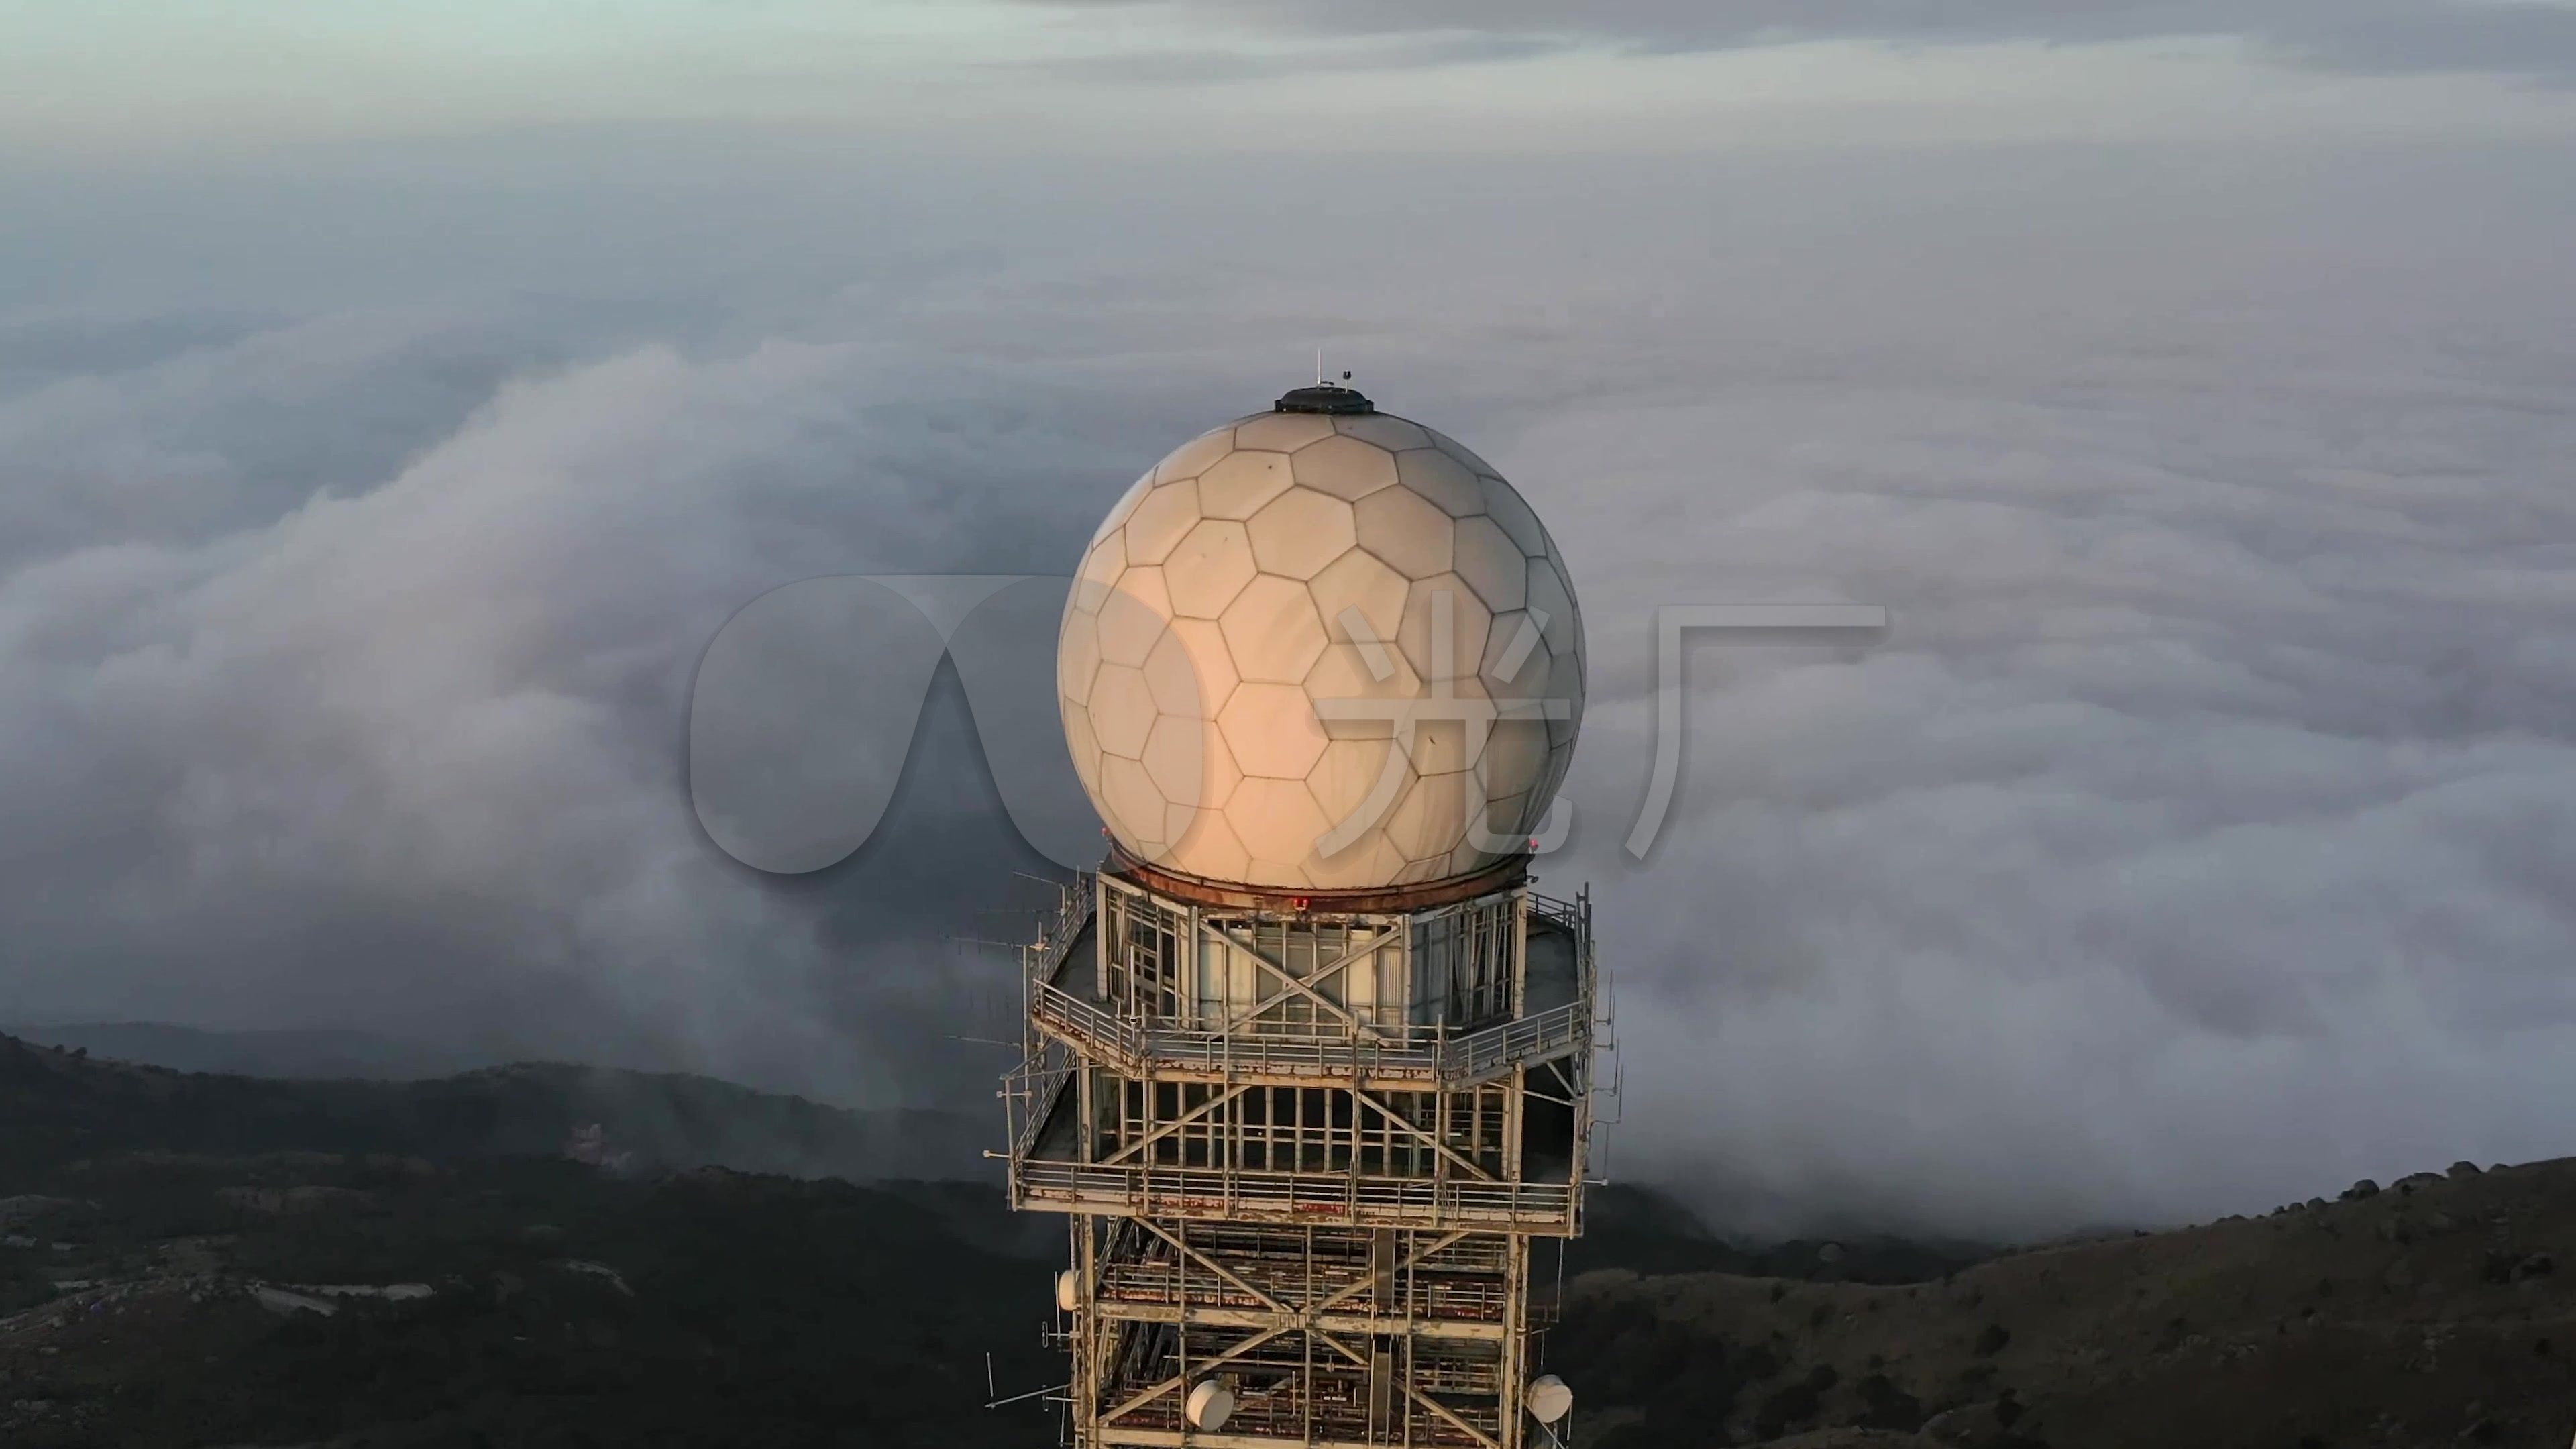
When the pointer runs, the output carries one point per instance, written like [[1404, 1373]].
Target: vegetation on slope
[[2433, 1313]]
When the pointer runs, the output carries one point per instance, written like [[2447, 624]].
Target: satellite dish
[[1068, 1291], [1209, 1406], [1549, 1399]]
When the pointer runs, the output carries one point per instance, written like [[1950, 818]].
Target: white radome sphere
[[1333, 651]]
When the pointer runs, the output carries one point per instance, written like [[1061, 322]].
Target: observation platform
[[1547, 1016], [1334, 1199], [1459, 1306], [1555, 1023]]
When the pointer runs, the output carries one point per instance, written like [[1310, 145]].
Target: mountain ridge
[[285, 1053], [57, 1104]]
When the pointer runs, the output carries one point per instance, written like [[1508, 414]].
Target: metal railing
[[1422, 1296], [1134, 1049], [1575, 919], [1081, 903], [1290, 1197], [1283, 1414], [1480, 1054], [1029, 1095], [1568, 914]]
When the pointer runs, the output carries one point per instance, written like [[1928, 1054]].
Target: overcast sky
[[393, 402]]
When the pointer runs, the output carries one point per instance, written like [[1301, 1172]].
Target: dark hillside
[[553, 1305], [1646, 1231], [203, 1260], [2438, 1312], [291, 1054]]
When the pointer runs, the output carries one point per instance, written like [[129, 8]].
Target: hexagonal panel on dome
[[1125, 506], [1548, 595], [1566, 683], [1238, 484], [1277, 820], [1407, 530], [1192, 457], [1300, 531], [1176, 756], [1271, 731], [1133, 616], [1144, 583], [1347, 468], [1386, 430], [1160, 521], [1462, 453], [1272, 630], [1282, 432], [1357, 782], [1508, 817], [1517, 663], [1490, 564], [1105, 562], [1077, 657], [1210, 567], [1362, 673], [1128, 797], [1173, 678], [1371, 861], [1431, 819], [1441, 746], [1510, 510], [1293, 565], [1360, 586], [1443, 480], [1122, 710], [1209, 849], [1078, 741], [1190, 671], [1444, 629], [1516, 751]]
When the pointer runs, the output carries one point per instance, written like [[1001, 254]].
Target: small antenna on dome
[[1324, 396]]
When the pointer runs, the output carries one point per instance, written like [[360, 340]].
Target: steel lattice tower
[[1307, 1143], [1309, 1064]]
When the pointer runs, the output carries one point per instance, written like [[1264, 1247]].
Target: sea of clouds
[[2198, 837]]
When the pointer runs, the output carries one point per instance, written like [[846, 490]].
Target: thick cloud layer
[[2196, 839], [2519, 37]]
